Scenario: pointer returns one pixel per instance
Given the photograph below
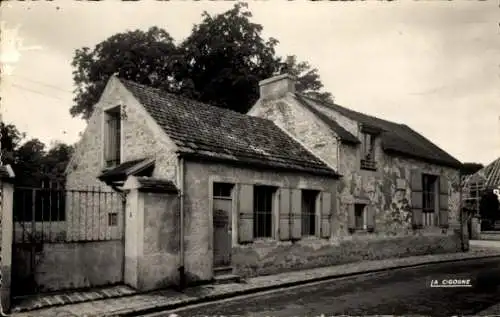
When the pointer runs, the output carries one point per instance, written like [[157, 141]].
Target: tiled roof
[[488, 176], [123, 170], [156, 185], [396, 138], [213, 133]]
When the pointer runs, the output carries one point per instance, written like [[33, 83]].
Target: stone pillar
[[6, 242], [134, 236], [151, 233]]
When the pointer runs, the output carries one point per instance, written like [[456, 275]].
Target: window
[[263, 211], [113, 219], [368, 151], [222, 190], [309, 212], [430, 198], [359, 216], [113, 137]]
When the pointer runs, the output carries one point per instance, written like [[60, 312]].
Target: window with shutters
[[430, 198], [263, 211], [308, 214], [359, 216], [368, 151], [112, 141]]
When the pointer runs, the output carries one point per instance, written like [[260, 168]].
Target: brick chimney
[[277, 87]]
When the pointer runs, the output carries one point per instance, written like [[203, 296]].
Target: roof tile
[[396, 138], [215, 133]]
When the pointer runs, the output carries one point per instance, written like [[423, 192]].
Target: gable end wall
[[140, 138]]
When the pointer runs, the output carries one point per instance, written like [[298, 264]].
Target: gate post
[[151, 233], [6, 213]]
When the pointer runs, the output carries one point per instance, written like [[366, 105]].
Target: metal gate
[[44, 216]]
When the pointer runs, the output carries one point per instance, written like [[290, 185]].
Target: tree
[[55, 161], [220, 63], [28, 165], [11, 138], [225, 57], [144, 57], [308, 79]]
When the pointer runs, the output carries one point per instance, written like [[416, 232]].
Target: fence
[[66, 239], [59, 215]]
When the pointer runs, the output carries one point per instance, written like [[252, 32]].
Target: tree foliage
[[224, 59], [144, 57], [30, 160], [220, 62]]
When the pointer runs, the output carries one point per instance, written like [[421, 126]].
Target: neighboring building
[[393, 179], [260, 197]]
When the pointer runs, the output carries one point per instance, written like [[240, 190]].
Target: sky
[[431, 65]]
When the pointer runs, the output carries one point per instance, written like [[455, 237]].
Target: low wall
[[270, 257], [489, 235], [72, 265]]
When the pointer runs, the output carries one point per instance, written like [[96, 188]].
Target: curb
[[209, 298]]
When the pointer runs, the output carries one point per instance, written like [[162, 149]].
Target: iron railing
[[61, 215]]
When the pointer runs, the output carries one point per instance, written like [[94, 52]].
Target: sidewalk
[[134, 305]]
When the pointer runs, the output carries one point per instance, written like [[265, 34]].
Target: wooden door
[[222, 231]]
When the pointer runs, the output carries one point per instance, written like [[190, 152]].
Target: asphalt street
[[398, 292]]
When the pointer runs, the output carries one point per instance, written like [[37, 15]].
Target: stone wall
[[267, 256], [278, 257], [199, 239], [392, 202], [389, 190], [141, 137], [62, 266], [302, 125], [159, 264]]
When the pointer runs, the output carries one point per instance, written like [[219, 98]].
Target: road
[[396, 292]]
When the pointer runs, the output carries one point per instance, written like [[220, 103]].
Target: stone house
[[213, 191], [394, 181]]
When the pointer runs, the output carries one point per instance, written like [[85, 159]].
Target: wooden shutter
[[443, 202], [246, 214], [284, 214], [416, 198], [370, 217], [351, 217], [118, 135], [326, 213], [296, 215]]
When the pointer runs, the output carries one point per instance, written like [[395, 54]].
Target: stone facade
[[152, 242], [141, 137], [387, 189], [199, 178]]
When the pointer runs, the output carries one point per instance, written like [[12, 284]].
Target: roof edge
[[197, 157], [349, 138], [456, 165]]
